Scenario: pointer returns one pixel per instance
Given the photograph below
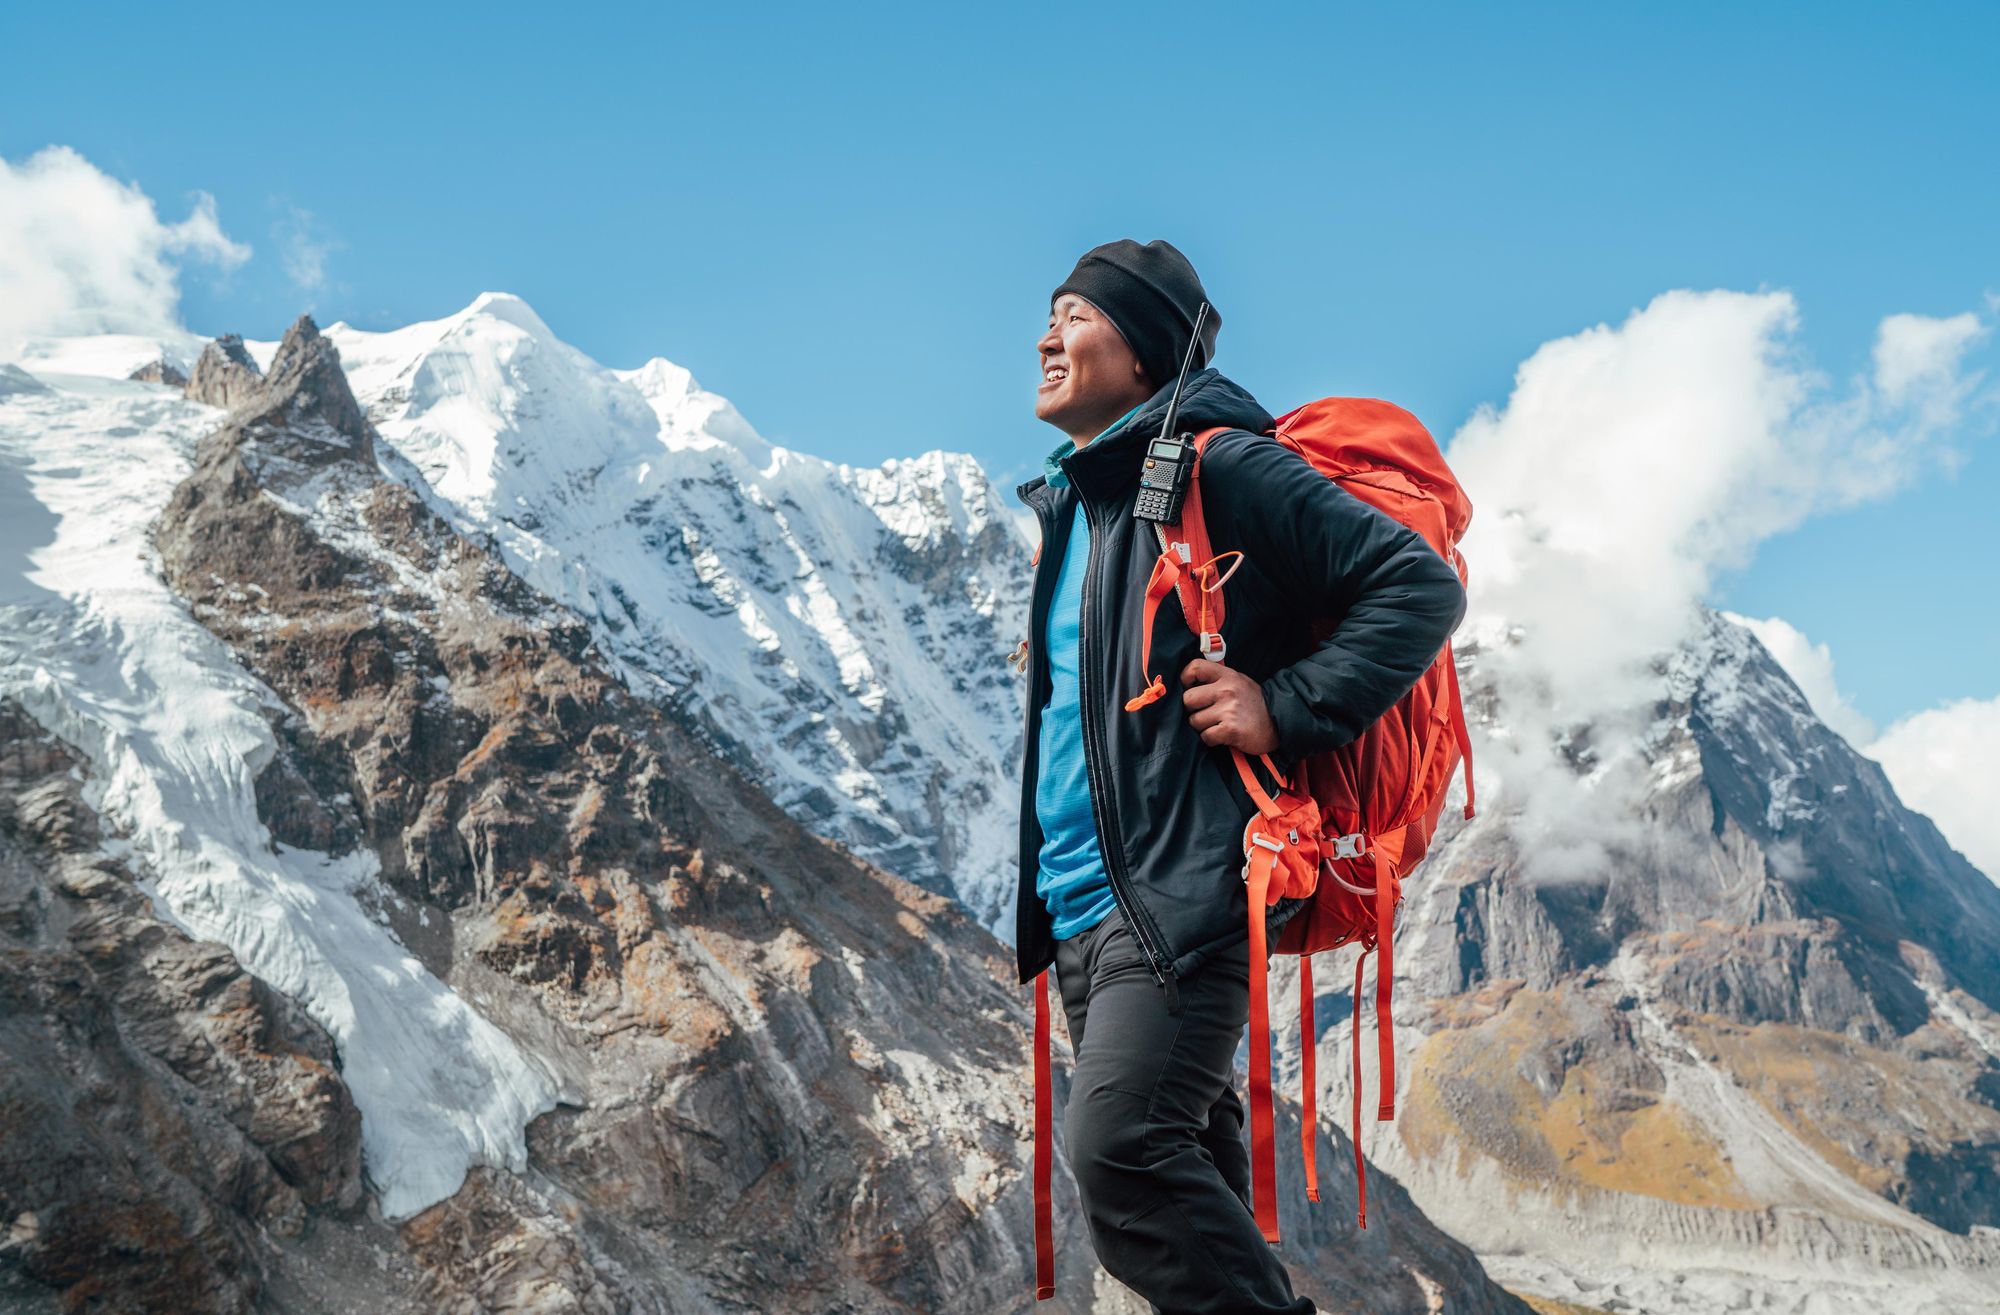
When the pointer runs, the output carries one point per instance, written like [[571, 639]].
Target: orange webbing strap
[[1360, 1173], [1385, 914], [1309, 1096], [1458, 728], [1166, 572], [1263, 1152], [1202, 606], [1045, 1246], [1255, 788]]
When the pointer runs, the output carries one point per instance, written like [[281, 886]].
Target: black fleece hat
[[1151, 293]]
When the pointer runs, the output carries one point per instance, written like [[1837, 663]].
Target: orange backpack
[[1352, 822]]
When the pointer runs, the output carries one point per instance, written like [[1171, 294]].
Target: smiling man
[[1132, 823]]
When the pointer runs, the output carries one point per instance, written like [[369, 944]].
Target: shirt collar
[[1052, 463]]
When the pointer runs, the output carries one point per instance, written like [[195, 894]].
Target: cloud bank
[[1942, 764], [81, 252], [1629, 467]]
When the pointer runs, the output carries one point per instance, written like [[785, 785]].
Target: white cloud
[[1810, 666], [303, 248], [81, 252], [1630, 466], [1941, 762], [1915, 351]]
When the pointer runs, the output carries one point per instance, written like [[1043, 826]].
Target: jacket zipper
[[1100, 785], [1037, 677]]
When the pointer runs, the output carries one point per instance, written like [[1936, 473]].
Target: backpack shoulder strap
[[1200, 585]]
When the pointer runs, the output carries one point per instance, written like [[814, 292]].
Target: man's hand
[[1227, 707]]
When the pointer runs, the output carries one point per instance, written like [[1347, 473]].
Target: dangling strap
[[1174, 565], [1263, 1152], [1045, 1246], [1360, 1173], [1385, 914], [1458, 728], [1309, 1096], [1166, 573]]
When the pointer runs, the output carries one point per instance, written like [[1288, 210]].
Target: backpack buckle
[[1261, 842], [1212, 646], [1352, 845]]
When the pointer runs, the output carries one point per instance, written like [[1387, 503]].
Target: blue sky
[[848, 219]]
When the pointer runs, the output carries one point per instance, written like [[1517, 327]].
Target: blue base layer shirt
[[1072, 880]]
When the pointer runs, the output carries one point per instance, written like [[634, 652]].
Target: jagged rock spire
[[161, 371], [225, 375], [307, 385], [304, 396]]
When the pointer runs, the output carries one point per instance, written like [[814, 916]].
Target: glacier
[[101, 653]]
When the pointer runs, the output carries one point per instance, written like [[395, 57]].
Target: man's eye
[[1075, 316]]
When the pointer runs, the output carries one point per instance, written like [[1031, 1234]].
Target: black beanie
[[1151, 293]]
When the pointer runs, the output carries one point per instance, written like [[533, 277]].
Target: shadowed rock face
[[797, 1084], [161, 1110]]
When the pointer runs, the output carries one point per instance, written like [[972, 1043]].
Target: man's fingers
[[1203, 718], [1200, 696], [1215, 735]]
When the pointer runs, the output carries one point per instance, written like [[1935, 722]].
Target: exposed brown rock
[[224, 375], [161, 371], [162, 1112]]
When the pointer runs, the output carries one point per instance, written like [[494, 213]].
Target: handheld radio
[[1169, 464]]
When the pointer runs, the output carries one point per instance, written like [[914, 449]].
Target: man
[[1132, 822]]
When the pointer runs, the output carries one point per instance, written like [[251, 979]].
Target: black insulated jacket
[[1170, 810]]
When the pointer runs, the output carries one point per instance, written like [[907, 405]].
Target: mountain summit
[[833, 631]]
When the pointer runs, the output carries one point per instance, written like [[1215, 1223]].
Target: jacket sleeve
[[1397, 601]]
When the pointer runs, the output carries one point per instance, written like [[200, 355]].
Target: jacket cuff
[[1295, 724]]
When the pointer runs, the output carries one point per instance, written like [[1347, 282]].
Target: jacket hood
[[1210, 398]]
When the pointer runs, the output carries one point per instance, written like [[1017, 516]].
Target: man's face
[[1089, 375]]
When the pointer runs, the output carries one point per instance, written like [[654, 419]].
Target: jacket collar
[[1052, 469]]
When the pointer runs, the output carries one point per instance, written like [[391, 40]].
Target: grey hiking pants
[[1155, 1129]]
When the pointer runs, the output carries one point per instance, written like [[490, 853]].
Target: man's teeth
[[1055, 373]]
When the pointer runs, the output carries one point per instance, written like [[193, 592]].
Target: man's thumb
[[1200, 672]]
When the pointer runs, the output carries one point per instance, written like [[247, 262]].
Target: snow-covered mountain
[[838, 633]]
